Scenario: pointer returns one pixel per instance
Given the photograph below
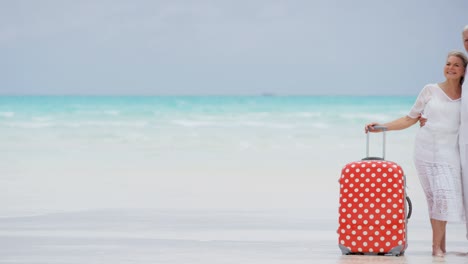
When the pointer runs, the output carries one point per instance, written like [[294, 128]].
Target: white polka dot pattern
[[371, 213]]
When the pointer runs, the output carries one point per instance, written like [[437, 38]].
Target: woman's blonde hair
[[463, 57]]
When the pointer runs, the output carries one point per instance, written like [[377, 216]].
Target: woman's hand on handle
[[370, 127]]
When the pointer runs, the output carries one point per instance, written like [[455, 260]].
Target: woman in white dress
[[437, 157]]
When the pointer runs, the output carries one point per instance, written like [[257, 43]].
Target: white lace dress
[[436, 155]]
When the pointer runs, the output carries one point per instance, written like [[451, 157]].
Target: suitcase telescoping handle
[[383, 128]]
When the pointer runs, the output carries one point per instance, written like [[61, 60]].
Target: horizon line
[[196, 95]]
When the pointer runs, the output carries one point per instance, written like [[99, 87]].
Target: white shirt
[[463, 136]]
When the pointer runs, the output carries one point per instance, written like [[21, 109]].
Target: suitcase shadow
[[354, 259]]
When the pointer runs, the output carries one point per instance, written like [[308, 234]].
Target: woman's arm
[[398, 124]]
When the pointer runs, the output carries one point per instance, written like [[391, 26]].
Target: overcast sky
[[226, 47]]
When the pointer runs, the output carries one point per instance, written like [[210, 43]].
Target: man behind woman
[[463, 135], [437, 155]]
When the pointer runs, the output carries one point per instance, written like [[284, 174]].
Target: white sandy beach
[[198, 236]]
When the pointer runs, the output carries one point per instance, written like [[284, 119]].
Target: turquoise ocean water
[[66, 152], [189, 122]]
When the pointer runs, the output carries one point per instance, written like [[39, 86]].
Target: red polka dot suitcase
[[373, 208]]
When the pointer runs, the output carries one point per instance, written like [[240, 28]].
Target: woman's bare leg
[[442, 245], [438, 237]]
